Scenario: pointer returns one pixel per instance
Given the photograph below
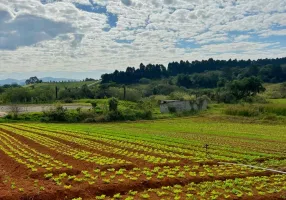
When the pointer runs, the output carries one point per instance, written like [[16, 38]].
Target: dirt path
[[4, 109]]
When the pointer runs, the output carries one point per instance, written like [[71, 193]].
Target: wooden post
[[206, 147], [124, 88], [57, 90]]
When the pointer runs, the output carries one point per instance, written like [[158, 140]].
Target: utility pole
[[57, 90], [124, 88]]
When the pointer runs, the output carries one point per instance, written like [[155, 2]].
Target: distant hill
[[11, 81], [45, 79]]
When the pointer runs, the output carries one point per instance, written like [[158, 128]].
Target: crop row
[[159, 174], [160, 159], [187, 150], [68, 150], [249, 187], [28, 156]]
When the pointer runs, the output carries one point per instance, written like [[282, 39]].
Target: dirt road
[[4, 109]]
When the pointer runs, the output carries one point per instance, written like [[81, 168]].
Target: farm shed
[[181, 106]]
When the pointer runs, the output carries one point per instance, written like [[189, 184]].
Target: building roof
[[169, 101]]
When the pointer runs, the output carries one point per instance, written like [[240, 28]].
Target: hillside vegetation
[[239, 83]]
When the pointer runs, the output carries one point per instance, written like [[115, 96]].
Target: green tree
[[246, 87], [33, 80]]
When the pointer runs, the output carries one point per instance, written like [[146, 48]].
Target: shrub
[[86, 114], [133, 95], [115, 115], [279, 109], [182, 96], [144, 81], [246, 111], [68, 100], [147, 114], [89, 120], [57, 114], [113, 104], [164, 89], [270, 117], [255, 110], [225, 97], [254, 99], [94, 105]]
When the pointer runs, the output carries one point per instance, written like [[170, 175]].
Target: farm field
[[162, 159]]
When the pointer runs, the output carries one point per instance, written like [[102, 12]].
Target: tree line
[[268, 70]]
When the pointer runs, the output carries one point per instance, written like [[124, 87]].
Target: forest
[[203, 74]]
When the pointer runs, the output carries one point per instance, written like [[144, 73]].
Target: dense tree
[[246, 87], [89, 79], [33, 80], [269, 70], [184, 80]]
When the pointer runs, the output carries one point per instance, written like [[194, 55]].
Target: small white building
[[167, 106]]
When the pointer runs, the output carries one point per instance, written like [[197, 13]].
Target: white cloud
[[241, 38], [236, 47], [57, 36], [273, 32]]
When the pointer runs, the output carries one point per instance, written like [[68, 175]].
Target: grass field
[[162, 159], [278, 101], [63, 84]]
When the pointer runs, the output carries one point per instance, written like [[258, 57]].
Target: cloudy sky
[[85, 38]]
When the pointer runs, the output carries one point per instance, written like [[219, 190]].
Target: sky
[[85, 38]]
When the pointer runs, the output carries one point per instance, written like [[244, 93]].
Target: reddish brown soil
[[11, 171], [24, 178], [136, 162], [77, 164]]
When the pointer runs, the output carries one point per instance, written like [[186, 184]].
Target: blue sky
[[77, 38]]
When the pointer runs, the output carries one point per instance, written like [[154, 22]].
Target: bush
[[164, 89], [89, 120], [57, 114], [113, 104], [145, 81], [225, 97], [246, 111], [256, 110], [94, 105], [133, 95], [147, 114], [86, 114], [182, 96], [278, 109], [115, 116], [254, 99], [270, 117], [68, 100]]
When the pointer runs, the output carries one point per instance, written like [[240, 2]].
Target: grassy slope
[[64, 84], [271, 89], [278, 101]]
